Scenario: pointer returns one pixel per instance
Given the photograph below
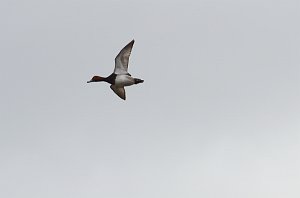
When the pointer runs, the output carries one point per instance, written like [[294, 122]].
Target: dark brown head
[[96, 79]]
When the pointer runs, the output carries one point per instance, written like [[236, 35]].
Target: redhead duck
[[120, 77]]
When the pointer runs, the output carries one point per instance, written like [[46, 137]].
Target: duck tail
[[137, 81]]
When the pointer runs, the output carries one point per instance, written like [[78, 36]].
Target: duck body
[[123, 80], [120, 77], [120, 80]]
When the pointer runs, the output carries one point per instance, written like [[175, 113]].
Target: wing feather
[[122, 59], [120, 91]]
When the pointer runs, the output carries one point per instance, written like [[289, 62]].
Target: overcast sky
[[217, 116]]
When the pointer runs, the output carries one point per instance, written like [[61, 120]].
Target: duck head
[[96, 79]]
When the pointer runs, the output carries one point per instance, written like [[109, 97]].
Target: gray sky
[[217, 116]]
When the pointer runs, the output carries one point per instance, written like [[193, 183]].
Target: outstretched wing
[[122, 59], [120, 91]]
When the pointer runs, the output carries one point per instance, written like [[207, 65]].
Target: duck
[[120, 78]]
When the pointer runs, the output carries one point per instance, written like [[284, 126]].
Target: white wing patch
[[122, 59], [120, 91]]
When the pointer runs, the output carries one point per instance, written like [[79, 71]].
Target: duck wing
[[120, 91], [122, 59]]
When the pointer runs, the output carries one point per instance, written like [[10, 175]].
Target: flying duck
[[120, 77]]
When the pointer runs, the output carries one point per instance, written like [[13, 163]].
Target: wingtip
[[123, 97]]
